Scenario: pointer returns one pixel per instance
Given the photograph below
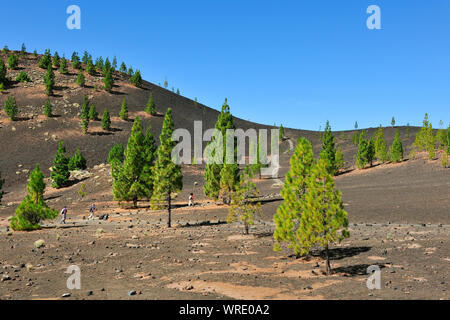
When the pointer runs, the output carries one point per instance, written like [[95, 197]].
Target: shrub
[[80, 79], [136, 79], [46, 60], [93, 114], [11, 107], [23, 77], [13, 61], [124, 110], [106, 120], [48, 108]]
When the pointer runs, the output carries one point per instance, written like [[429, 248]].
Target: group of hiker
[[93, 209]]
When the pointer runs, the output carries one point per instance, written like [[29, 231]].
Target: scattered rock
[[39, 243]]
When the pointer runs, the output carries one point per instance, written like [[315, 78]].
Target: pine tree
[[166, 83], [33, 209], [329, 149], [393, 121], [289, 212], [130, 181], [48, 108], [116, 154], [151, 108], [425, 140], [363, 149], [228, 181], [80, 79], [167, 174], [136, 79], [242, 207], [84, 115], [13, 61], [93, 114], [178, 91], [2, 72], [213, 170], [11, 109], [99, 64], [281, 133], [85, 57], [106, 120], [123, 68], [396, 150], [76, 64], [371, 151], [46, 60], [49, 80], [60, 171], [90, 68], [441, 136], [63, 66], [124, 110], [340, 163], [23, 50], [380, 146], [448, 139], [23, 77], [77, 162], [106, 67], [56, 60], [444, 162], [108, 81], [323, 220], [355, 138], [356, 125], [114, 64]]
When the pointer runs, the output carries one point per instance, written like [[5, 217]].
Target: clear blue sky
[[298, 63]]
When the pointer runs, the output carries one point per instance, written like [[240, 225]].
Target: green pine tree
[[363, 149], [77, 162], [124, 110], [108, 81], [213, 169], [90, 68], [56, 60], [393, 121], [46, 60], [3, 72], [289, 212], [81, 81], [60, 171], [281, 133], [329, 149], [48, 108], [13, 61], [116, 154], [380, 146], [123, 68], [106, 120], [10, 107], [131, 181], [243, 207], [136, 79], [63, 66], [340, 163], [323, 220], [396, 150], [33, 209], [151, 108], [93, 114], [49, 81], [167, 174]]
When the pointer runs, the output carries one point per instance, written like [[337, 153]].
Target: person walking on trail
[[63, 214], [191, 200], [92, 211]]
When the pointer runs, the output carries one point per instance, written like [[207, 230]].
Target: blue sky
[[298, 63]]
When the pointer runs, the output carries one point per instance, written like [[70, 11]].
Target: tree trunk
[[246, 228], [169, 222], [328, 260], [135, 202]]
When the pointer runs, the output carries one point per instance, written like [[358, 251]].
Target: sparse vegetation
[[151, 108], [396, 150], [425, 140], [49, 81], [13, 61], [63, 66]]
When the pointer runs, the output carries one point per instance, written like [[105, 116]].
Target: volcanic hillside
[[34, 138]]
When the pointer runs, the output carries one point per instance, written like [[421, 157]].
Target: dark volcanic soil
[[399, 216]]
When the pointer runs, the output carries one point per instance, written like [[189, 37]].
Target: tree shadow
[[101, 133], [115, 130], [263, 234], [53, 197], [117, 93], [355, 270], [73, 182], [202, 223], [340, 253]]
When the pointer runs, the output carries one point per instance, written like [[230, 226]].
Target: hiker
[[92, 211], [63, 214], [191, 200]]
